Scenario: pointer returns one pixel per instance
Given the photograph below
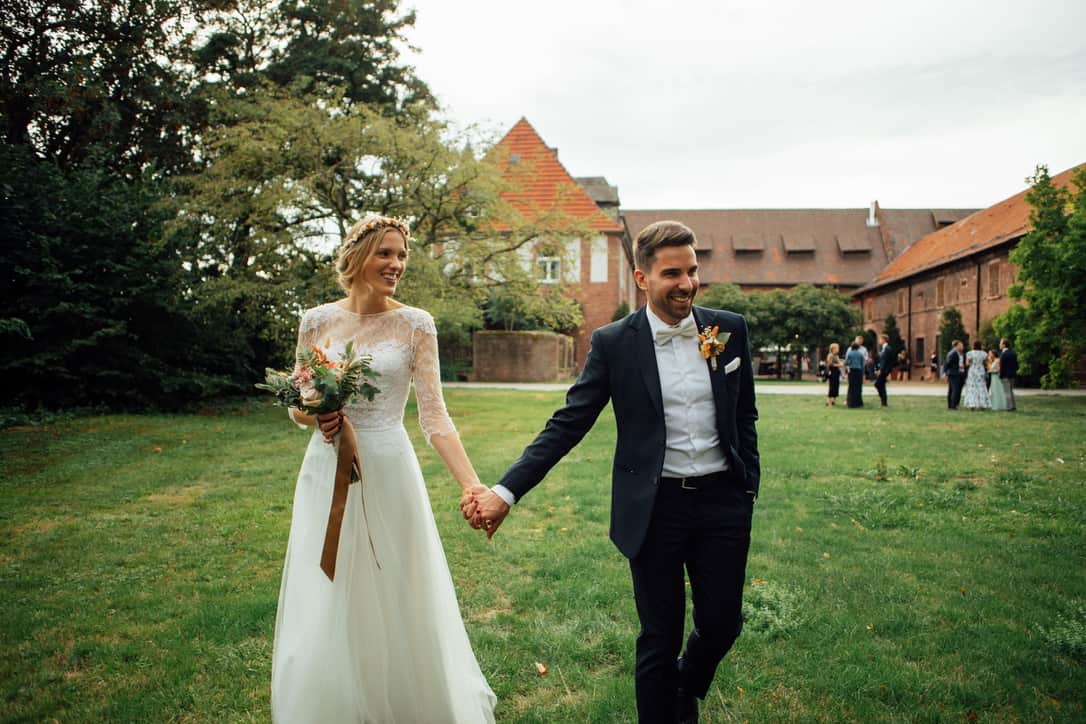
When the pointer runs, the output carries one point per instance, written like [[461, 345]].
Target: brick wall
[[521, 356], [600, 299], [990, 274]]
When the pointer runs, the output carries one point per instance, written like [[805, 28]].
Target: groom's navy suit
[[663, 524]]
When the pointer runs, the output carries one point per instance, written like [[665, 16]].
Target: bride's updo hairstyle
[[361, 241]]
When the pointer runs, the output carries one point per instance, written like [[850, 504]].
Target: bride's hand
[[330, 423], [467, 500]]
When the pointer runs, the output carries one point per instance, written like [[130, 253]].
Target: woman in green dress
[[995, 386]]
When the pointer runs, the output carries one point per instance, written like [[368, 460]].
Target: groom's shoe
[[686, 707]]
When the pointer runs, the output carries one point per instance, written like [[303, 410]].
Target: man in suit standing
[[686, 468], [954, 370], [1008, 370], [887, 360]]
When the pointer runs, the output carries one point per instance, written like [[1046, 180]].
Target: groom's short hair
[[655, 235]]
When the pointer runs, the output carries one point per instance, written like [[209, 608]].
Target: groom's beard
[[678, 304]]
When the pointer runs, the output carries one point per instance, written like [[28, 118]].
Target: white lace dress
[[377, 645]]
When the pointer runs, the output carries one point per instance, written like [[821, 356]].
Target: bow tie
[[685, 328]]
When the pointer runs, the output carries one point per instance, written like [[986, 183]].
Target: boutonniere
[[712, 343]]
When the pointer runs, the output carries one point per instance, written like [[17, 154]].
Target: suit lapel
[[646, 358], [720, 390]]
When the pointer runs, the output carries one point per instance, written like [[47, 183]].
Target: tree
[[799, 320], [341, 52], [891, 330], [950, 329], [91, 82], [1049, 331], [103, 316]]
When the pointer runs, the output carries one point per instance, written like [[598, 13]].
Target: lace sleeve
[[307, 335], [426, 372]]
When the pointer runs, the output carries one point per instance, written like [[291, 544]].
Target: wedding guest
[[995, 385], [976, 392], [886, 361], [833, 364], [854, 362], [954, 371], [1008, 370]]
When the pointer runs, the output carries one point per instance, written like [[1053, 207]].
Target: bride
[[383, 641]]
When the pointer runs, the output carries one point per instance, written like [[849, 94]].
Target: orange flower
[[319, 357]]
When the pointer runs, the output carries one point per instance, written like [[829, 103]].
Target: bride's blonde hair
[[361, 241]]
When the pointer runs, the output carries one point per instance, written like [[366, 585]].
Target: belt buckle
[[684, 486]]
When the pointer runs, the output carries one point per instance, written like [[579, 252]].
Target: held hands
[[483, 509]]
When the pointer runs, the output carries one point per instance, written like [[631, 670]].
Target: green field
[[908, 564]]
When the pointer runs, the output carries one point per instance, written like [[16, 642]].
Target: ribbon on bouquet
[[348, 470]]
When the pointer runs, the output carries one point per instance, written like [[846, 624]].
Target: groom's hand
[[490, 511]]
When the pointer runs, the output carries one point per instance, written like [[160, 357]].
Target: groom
[[685, 473]]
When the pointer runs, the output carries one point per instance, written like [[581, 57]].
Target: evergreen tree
[[950, 329], [890, 329]]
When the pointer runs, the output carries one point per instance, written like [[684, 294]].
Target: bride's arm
[[433, 417], [452, 452]]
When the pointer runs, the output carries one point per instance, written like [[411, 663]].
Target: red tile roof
[[982, 230], [545, 187], [784, 247]]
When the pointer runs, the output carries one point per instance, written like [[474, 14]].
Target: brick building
[[596, 268], [964, 266], [764, 249]]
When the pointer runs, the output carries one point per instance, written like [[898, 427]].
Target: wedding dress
[[384, 642]]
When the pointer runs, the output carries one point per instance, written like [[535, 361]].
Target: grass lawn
[[908, 564]]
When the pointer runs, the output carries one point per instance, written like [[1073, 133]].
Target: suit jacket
[[953, 365], [1008, 364], [621, 368], [887, 360]]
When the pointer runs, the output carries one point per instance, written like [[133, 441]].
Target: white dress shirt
[[693, 443]]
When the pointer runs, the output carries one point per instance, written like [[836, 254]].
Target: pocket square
[[732, 366]]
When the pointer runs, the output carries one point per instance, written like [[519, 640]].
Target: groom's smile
[[671, 283]]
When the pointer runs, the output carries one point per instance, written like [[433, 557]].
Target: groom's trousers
[[700, 529]]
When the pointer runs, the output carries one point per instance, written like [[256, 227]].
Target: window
[[599, 259], [940, 290], [547, 269], [993, 279], [921, 354], [901, 301]]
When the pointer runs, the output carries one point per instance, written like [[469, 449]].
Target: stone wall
[[522, 356]]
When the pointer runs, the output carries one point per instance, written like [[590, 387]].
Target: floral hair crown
[[372, 222]]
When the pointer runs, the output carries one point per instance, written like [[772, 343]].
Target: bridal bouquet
[[318, 384]]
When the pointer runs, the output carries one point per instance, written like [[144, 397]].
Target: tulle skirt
[[377, 645]]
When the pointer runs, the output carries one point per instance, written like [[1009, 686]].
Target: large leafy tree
[[284, 178], [345, 52], [801, 319], [103, 313], [92, 82], [1049, 331]]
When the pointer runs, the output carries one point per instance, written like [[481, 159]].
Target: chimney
[[873, 220]]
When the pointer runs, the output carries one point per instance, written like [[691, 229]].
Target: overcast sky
[[774, 104]]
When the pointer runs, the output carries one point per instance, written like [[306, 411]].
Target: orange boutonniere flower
[[712, 343]]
